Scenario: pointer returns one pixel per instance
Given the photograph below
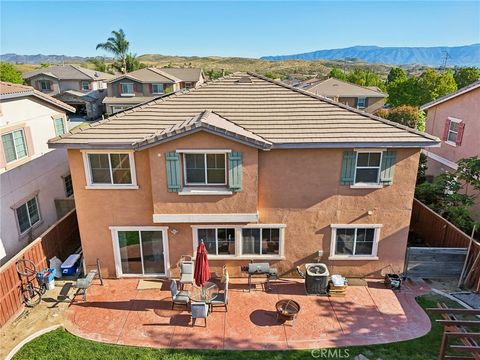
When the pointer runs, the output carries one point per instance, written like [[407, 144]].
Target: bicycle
[[31, 294]]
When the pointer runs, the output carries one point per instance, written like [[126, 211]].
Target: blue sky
[[231, 28]]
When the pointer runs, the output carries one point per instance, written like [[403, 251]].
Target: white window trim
[[238, 241], [456, 121], [158, 93], [14, 146], [364, 98], [206, 170], [24, 202], [46, 82], [376, 185], [116, 249], [88, 85], [88, 173], [376, 239], [189, 191], [127, 94], [64, 125]]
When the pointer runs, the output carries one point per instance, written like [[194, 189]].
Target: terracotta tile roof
[[459, 92], [280, 114], [333, 87], [10, 91], [69, 72], [147, 75], [185, 74]]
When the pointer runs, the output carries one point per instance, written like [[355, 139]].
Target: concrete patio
[[118, 313]]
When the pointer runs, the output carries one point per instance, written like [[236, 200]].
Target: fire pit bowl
[[287, 309]]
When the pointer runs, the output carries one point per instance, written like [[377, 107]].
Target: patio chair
[[199, 310], [186, 266], [221, 299], [178, 297]]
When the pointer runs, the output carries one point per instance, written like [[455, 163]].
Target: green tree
[[466, 75], [98, 63], [402, 92], [9, 73], [396, 74], [407, 115], [117, 45], [338, 74]]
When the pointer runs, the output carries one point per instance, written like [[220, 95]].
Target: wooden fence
[[435, 231], [61, 239], [431, 263]]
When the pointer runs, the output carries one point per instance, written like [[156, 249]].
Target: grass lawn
[[59, 344]]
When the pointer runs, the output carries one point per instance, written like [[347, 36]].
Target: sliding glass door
[[141, 252]]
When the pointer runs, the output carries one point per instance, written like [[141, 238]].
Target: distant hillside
[[468, 55], [41, 59]]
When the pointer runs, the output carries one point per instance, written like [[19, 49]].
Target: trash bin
[[56, 263]]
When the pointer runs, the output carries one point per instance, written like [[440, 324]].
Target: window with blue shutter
[[174, 177], [235, 165], [348, 168], [388, 167]]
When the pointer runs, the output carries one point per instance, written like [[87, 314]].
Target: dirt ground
[[48, 313]]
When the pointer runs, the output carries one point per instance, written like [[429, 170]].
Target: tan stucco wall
[[299, 188], [373, 104], [465, 107]]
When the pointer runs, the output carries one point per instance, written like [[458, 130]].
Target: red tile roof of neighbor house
[[459, 92], [11, 91], [279, 114]]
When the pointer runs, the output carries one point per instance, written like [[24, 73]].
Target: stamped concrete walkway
[[118, 313]]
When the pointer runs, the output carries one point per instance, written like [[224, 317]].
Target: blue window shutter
[[174, 177], [388, 167], [348, 167], [235, 166]]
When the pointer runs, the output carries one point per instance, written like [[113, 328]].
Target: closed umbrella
[[202, 271]]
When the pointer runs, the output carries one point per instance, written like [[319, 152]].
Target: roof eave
[[347, 145]]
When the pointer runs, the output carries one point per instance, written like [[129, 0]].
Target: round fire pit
[[287, 309]]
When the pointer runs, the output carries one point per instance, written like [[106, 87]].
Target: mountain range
[[468, 55]]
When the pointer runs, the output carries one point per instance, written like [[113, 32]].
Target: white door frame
[[116, 249]]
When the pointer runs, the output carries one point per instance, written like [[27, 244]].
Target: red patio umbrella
[[202, 271]]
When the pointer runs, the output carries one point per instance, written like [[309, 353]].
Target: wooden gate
[[430, 262]]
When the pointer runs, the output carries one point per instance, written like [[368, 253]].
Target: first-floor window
[[67, 180], [188, 85], [14, 145], [28, 214], [368, 167], [260, 241], [59, 125], [157, 88], [113, 168], [218, 241], [205, 169], [355, 241]]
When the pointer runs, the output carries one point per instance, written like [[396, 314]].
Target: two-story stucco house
[[256, 169], [32, 176], [455, 118], [369, 99], [146, 84], [82, 88]]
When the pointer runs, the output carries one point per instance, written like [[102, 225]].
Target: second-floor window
[[28, 215], [14, 145], [157, 88], [205, 169], [85, 86], [110, 168], [361, 103], [368, 168], [45, 85], [126, 88], [59, 125]]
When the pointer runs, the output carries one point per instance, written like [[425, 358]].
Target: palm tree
[[118, 46]]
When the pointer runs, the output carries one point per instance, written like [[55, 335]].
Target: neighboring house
[[35, 180], [368, 99], [147, 84], [84, 89], [256, 169], [454, 118]]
